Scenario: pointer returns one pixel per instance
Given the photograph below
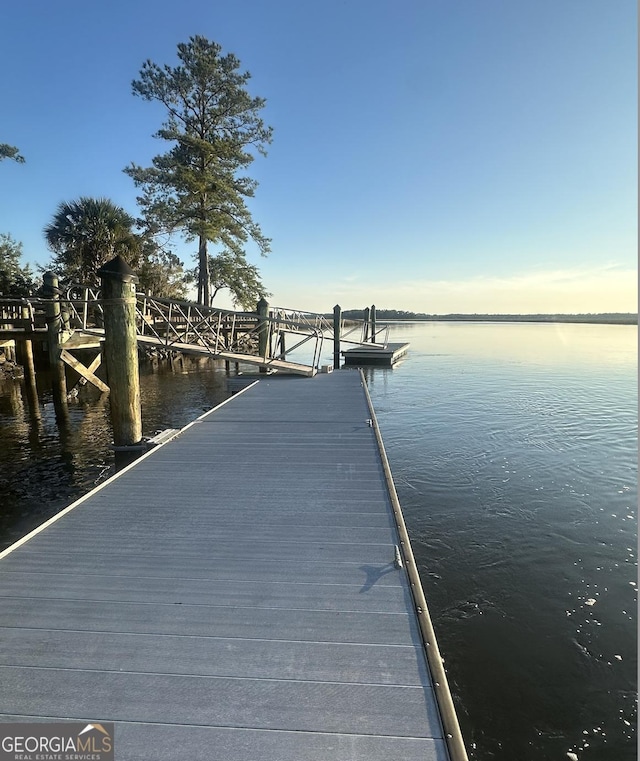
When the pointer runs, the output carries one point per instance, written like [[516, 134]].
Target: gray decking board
[[289, 704], [255, 594], [141, 539], [209, 656], [202, 620], [368, 554], [211, 568], [244, 744], [235, 590]]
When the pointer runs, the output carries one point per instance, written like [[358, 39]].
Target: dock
[[244, 591], [385, 355]]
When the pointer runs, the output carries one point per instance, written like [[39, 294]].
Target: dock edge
[[448, 716]]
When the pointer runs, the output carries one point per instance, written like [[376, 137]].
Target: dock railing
[[21, 314], [176, 324], [224, 331]]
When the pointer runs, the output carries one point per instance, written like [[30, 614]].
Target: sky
[[438, 156]]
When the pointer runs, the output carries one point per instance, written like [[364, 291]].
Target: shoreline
[[388, 316]]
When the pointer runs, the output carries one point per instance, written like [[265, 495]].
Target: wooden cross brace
[[86, 372]]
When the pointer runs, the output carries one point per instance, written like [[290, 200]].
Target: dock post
[[54, 331], [373, 323], [365, 318], [10, 352], [121, 351], [262, 309], [27, 353], [337, 319]]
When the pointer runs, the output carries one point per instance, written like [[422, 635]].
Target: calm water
[[514, 450]]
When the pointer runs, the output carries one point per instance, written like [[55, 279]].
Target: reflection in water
[[540, 344], [30, 396]]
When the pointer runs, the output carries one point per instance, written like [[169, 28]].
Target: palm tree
[[86, 233]]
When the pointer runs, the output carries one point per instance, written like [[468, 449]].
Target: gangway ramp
[[269, 363]]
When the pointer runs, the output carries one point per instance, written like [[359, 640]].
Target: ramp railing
[[352, 331], [220, 331], [183, 325]]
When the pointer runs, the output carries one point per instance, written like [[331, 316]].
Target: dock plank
[[203, 620], [246, 744], [210, 656], [295, 705]]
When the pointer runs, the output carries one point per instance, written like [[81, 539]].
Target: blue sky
[[429, 155]]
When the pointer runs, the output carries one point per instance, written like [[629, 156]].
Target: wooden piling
[[54, 335], [10, 352], [373, 323], [365, 319], [27, 354], [262, 309], [121, 351], [337, 321]]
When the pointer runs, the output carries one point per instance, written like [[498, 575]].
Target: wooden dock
[[234, 594]]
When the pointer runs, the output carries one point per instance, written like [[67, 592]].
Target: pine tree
[[214, 124], [16, 280], [10, 152]]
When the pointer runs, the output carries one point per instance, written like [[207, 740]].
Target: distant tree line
[[612, 318], [196, 189]]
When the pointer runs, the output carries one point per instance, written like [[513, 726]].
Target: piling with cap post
[[121, 351], [337, 326]]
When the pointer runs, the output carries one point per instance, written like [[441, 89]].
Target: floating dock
[[385, 355], [241, 592]]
